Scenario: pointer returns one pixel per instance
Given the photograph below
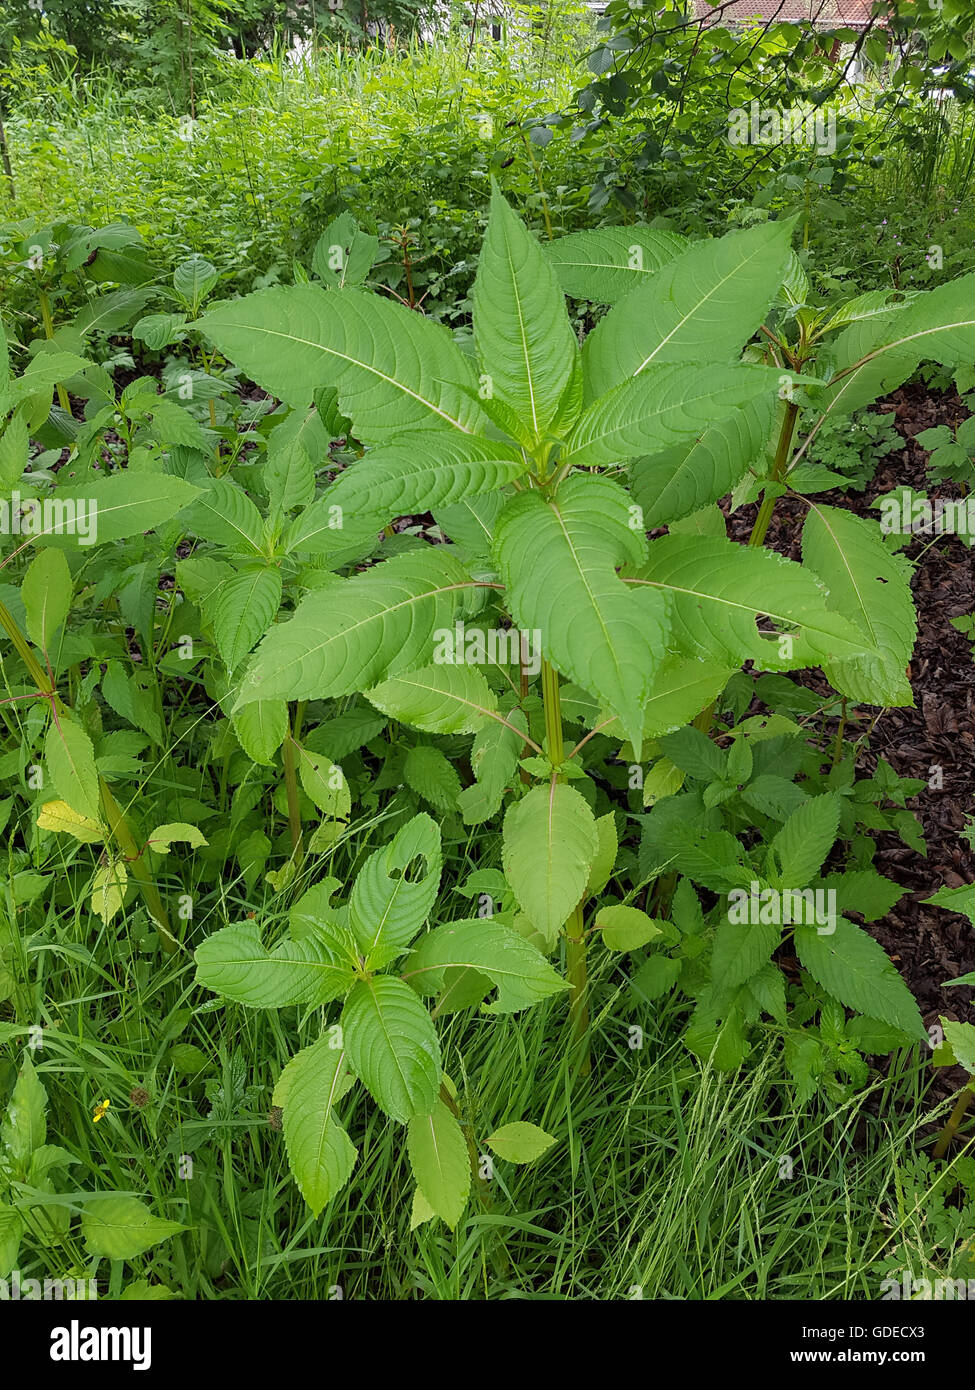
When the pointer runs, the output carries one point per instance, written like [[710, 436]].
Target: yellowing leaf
[[108, 889], [59, 817]]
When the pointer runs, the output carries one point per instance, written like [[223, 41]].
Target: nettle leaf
[[718, 590], [868, 585], [391, 898], [46, 591], [558, 559], [701, 307], [520, 1142], [225, 514], [431, 774], [440, 699], [70, 759], [122, 1228], [321, 1155], [261, 728], [243, 610], [418, 472], [801, 846], [123, 505], [741, 949], [359, 631], [440, 1162], [394, 370], [854, 969], [549, 845], [484, 947], [663, 406], [608, 263], [234, 962], [524, 339], [392, 1047], [683, 479]]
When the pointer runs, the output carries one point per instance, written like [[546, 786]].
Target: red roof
[[826, 14]]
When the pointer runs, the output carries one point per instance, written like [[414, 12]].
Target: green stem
[[291, 787], [954, 1120], [779, 466], [575, 954], [48, 323], [118, 825]]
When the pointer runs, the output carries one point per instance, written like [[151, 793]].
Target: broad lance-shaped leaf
[[440, 1162], [394, 370], [719, 589], [225, 514], [702, 306], [868, 585], [608, 263], [234, 962], [392, 1047], [321, 1155], [386, 908], [558, 559], [663, 406], [521, 973], [687, 477], [549, 844], [295, 449], [359, 631], [418, 472], [440, 699], [70, 759], [260, 729], [853, 968], [113, 508], [46, 591], [682, 687], [524, 339], [937, 326], [243, 611]]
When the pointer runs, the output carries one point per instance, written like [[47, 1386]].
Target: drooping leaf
[[488, 948], [320, 1153], [392, 1047], [440, 1162], [549, 845], [235, 962]]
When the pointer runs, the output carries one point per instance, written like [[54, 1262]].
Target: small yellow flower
[[100, 1110]]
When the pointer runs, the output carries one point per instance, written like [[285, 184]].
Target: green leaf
[[608, 263], [701, 307], [718, 589], [162, 838], [344, 253], [123, 505], [260, 728], [295, 448], [520, 1142], [225, 514], [70, 760], [314, 970], [487, 948], [24, 1126], [558, 559], [243, 610], [961, 1040], [421, 471], [46, 591], [626, 928], [805, 840], [549, 845], [14, 451], [193, 279], [387, 908], [392, 1047], [324, 782], [431, 774], [689, 476], [440, 1162], [524, 339], [854, 969], [320, 1153], [741, 949], [868, 585], [440, 699], [665, 405], [394, 370], [602, 866], [357, 632], [122, 1228]]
